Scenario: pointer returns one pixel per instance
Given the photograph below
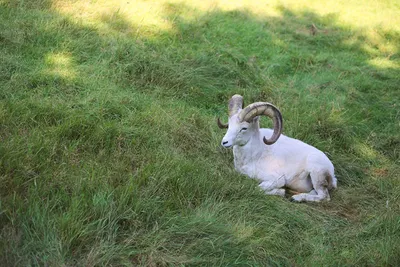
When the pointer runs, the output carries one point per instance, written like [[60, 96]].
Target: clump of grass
[[109, 152]]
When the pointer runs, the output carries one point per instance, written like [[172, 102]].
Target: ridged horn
[[235, 103], [264, 108]]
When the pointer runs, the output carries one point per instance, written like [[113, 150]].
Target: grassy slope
[[109, 151]]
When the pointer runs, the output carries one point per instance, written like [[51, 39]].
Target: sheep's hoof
[[297, 198], [292, 199]]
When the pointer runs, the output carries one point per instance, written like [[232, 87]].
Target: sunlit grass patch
[[60, 65], [384, 63]]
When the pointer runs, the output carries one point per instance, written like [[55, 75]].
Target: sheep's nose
[[226, 144]]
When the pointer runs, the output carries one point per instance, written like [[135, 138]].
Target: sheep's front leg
[[314, 196], [272, 188], [276, 192]]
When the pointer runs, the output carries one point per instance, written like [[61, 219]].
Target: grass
[[109, 150]]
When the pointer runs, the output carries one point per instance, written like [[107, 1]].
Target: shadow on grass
[[83, 108]]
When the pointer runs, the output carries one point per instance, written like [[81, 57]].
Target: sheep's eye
[[243, 129]]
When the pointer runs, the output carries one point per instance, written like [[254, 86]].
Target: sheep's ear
[[256, 119]]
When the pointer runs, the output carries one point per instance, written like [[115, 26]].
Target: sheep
[[279, 162]]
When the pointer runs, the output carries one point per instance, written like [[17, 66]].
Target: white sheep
[[279, 162]]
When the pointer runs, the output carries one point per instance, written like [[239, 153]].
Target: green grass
[[109, 150]]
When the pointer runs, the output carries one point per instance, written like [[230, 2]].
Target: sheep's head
[[243, 122]]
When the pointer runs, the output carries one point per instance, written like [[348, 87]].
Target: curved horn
[[264, 108], [221, 125], [235, 103]]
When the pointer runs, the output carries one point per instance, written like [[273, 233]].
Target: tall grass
[[109, 151]]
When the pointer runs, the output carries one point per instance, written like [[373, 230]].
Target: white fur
[[288, 163]]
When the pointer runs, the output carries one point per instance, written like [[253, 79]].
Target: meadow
[[110, 153]]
